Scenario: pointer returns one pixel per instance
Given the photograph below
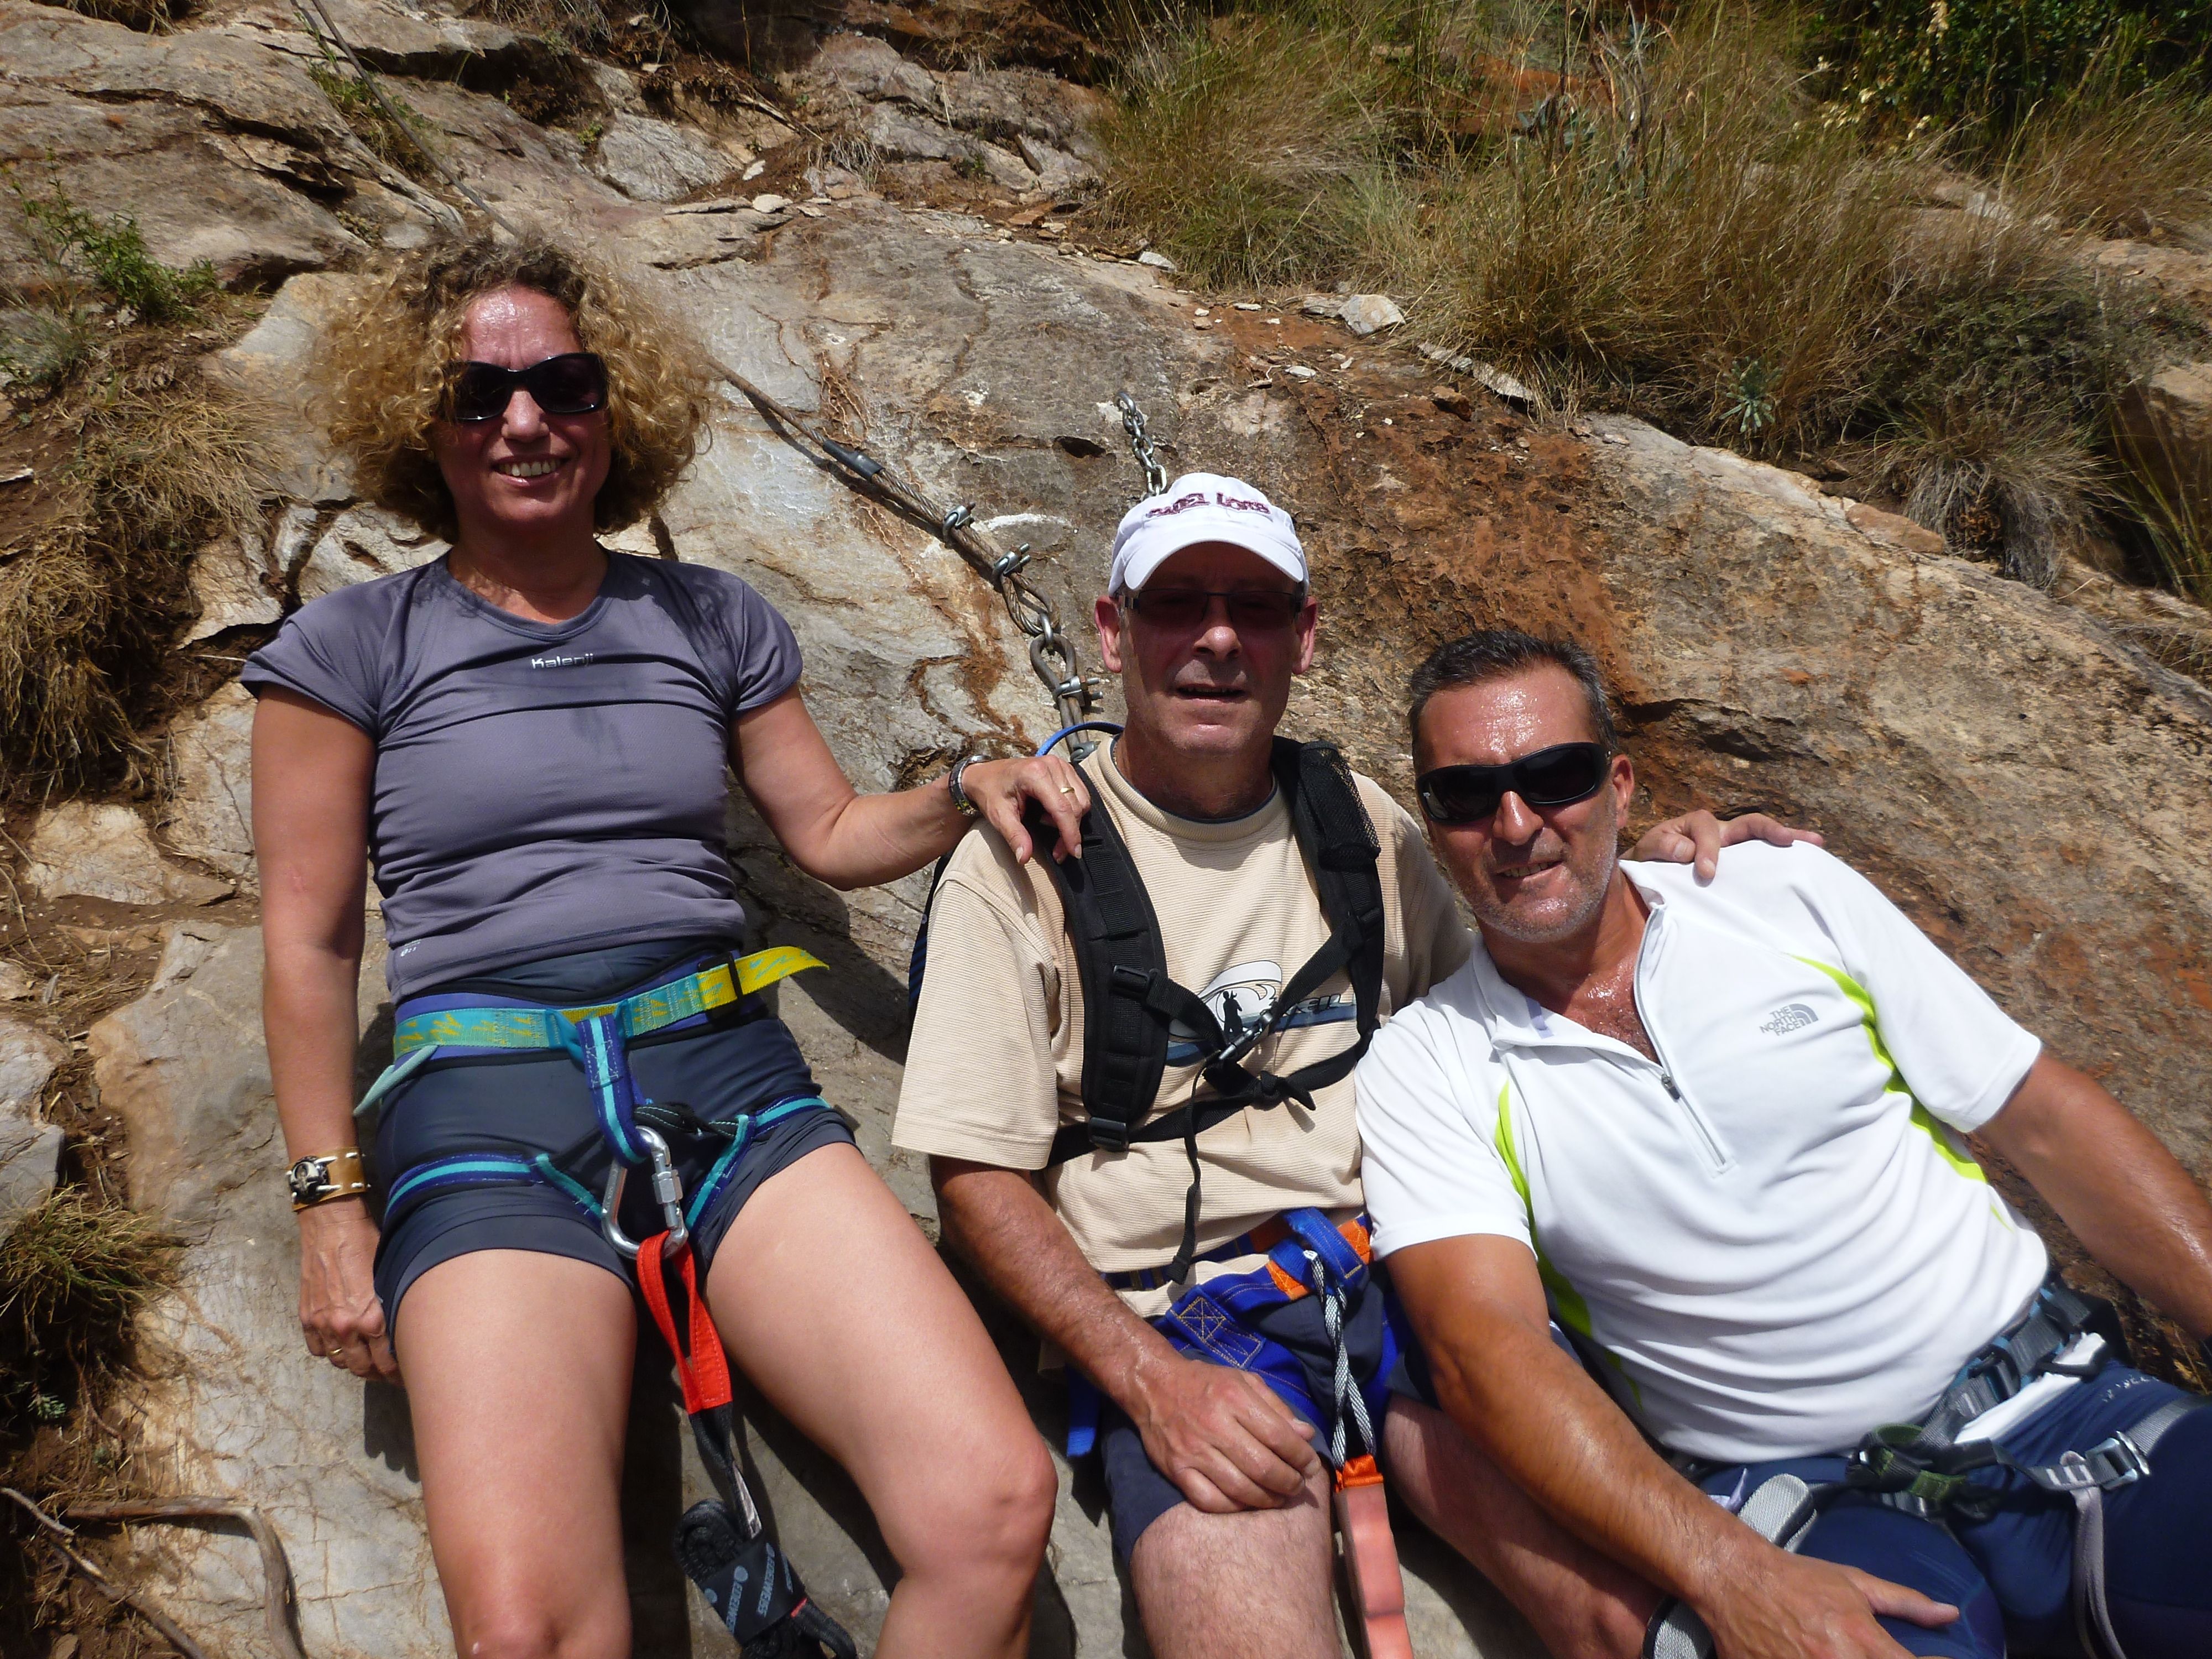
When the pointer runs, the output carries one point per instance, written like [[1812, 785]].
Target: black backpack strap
[[1128, 999], [1122, 966]]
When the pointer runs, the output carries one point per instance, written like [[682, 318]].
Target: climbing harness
[[1306, 1255], [721, 1542], [1130, 1003], [1924, 1470]]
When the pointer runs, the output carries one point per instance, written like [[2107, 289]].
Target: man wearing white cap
[[1170, 1263]]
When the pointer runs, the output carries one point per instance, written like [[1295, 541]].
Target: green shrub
[[2000, 59], [113, 255]]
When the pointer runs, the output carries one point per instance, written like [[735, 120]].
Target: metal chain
[[1140, 442]]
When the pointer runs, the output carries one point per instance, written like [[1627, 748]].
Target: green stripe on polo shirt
[[1572, 1308], [1923, 1118]]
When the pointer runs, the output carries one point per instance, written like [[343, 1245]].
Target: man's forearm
[[1555, 1433], [1558, 1436], [1000, 1222], [2112, 1182]]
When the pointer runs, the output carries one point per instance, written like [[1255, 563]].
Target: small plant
[[590, 132], [389, 138], [39, 349], [77, 1269], [1750, 402], [64, 237]]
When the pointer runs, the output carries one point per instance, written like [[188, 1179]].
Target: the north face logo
[[1794, 1016]]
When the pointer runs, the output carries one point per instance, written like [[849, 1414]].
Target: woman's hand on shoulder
[[1698, 837], [1002, 789], [339, 1313]]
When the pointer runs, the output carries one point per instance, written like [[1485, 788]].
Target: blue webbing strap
[[605, 1053], [1319, 1234], [498, 1169], [745, 1126]]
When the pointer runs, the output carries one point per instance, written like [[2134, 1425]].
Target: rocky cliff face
[[2027, 782]]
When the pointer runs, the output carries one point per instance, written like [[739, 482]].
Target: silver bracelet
[[960, 804]]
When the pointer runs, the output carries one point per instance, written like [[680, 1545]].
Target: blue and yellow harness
[[464, 1026]]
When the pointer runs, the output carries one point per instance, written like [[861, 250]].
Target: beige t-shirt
[[995, 1065]]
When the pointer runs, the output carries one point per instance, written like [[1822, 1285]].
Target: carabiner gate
[[667, 1191]]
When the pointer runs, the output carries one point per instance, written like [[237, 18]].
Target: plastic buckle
[[2126, 1458], [1107, 1135], [667, 1191]]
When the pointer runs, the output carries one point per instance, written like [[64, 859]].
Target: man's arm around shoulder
[[1479, 1307]]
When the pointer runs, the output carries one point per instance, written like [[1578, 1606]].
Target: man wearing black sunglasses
[[1217, 1495], [1709, 1141]]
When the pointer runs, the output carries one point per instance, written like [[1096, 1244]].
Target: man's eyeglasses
[[1558, 776], [1256, 609], [574, 383]]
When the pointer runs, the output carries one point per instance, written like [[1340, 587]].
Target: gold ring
[[1066, 788]]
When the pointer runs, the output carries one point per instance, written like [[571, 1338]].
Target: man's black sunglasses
[[1256, 609], [574, 383], [1558, 776]]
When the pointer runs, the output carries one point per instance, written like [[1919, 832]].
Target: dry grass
[[86, 610], [2008, 485], [1699, 244], [2137, 166], [1672, 224], [75, 1271], [1247, 143]]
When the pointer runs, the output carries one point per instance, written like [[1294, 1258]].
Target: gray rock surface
[[362, 542], [209, 812], [272, 363], [82, 850], [234, 586], [656, 161], [30, 1147]]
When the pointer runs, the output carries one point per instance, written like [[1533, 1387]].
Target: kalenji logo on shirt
[[1794, 1016], [581, 657]]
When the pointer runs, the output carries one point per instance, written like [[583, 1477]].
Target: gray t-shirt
[[541, 787]]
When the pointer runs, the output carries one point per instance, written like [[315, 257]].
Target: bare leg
[[832, 1300], [1256, 1584], [1583, 1605], [523, 1504]]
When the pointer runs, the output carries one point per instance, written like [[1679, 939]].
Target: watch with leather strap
[[326, 1175]]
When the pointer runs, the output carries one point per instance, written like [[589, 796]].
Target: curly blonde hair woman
[[530, 739], [388, 372]]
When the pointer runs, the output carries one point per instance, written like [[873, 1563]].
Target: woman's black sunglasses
[[1558, 776], [575, 383]]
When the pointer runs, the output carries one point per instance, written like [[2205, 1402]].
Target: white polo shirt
[[1774, 1234]]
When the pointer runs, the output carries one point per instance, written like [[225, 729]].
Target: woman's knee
[[519, 1626], [992, 1519]]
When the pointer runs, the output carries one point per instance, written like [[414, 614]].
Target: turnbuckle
[[667, 1191]]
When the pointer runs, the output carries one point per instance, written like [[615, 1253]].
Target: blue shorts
[[1138, 1493], [742, 1059], [2009, 1576]]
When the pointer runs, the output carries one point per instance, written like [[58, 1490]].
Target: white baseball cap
[[1202, 507]]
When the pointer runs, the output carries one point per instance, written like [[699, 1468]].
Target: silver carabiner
[[667, 1191]]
